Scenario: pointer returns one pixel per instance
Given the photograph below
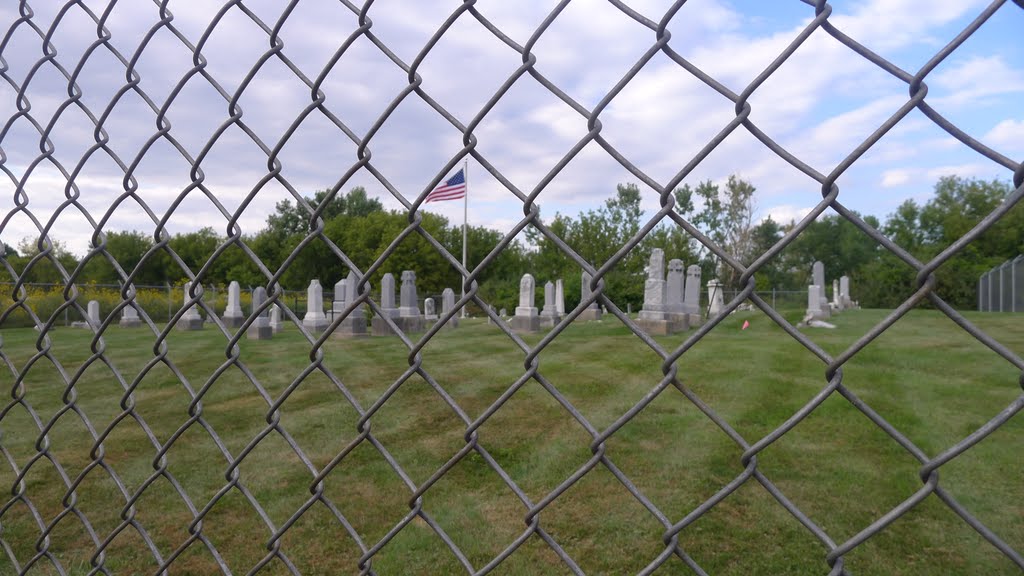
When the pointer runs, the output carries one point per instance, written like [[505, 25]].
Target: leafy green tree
[[763, 237], [292, 218], [42, 271]]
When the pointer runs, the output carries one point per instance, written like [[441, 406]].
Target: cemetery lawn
[[926, 376]]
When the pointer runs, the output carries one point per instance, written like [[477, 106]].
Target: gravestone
[[388, 307], [844, 292], [233, 316], [654, 287], [691, 296], [429, 311], [314, 320], [526, 318], [447, 305], [592, 311], [338, 301], [190, 320], [93, 314], [549, 315], [716, 297], [818, 279], [260, 328], [503, 313], [129, 317], [674, 285], [837, 302], [490, 320], [652, 318], [814, 310], [560, 297], [354, 325], [409, 318], [275, 319]]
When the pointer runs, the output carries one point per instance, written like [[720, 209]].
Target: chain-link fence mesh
[[73, 470], [1001, 289]]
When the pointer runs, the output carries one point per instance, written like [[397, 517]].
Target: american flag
[[453, 189]]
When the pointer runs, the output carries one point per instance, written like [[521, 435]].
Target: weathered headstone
[[429, 310], [447, 304], [818, 279], [93, 311], [837, 302], [716, 298], [387, 295], [814, 310], [503, 313], [233, 316], [354, 325], [654, 287], [593, 311], [674, 285], [844, 292], [691, 296], [129, 317], [314, 320], [275, 319], [653, 318], [388, 307], [526, 318], [549, 316], [409, 318], [338, 301], [560, 297], [490, 320], [818, 273], [260, 328], [190, 320]]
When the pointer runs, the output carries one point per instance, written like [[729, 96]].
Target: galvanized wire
[[674, 523]]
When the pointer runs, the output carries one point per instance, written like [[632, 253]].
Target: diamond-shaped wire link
[[674, 522]]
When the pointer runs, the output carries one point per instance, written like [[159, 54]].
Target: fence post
[[1013, 284]]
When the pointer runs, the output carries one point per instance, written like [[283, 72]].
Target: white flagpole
[[465, 218]]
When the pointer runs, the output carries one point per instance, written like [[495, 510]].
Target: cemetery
[[732, 369], [672, 304]]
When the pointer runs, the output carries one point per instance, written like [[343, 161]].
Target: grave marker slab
[[260, 328], [526, 318], [549, 315], [190, 320], [233, 316], [592, 311], [315, 320]]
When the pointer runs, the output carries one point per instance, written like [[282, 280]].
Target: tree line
[[363, 230]]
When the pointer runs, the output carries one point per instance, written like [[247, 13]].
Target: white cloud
[[786, 213], [968, 170], [974, 79], [892, 24], [1007, 137], [894, 178]]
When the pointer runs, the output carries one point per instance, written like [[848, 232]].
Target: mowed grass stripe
[[924, 375]]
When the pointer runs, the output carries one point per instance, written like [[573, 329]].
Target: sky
[[820, 105]]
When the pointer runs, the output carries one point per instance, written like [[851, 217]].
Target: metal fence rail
[[833, 560], [1001, 289]]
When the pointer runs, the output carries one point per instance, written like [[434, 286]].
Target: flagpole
[[465, 218]]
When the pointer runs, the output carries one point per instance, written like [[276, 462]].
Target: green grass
[[933, 382]]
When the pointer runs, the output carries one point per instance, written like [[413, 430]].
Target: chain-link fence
[[74, 492], [1001, 289]]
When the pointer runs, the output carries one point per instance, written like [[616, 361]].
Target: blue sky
[[820, 105]]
